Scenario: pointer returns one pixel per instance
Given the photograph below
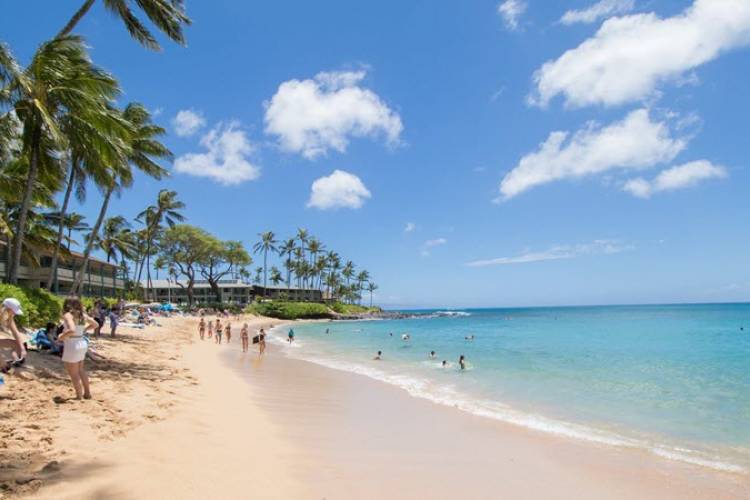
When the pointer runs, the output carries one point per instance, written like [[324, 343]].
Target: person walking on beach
[[75, 325], [291, 336], [10, 309], [210, 329], [462, 362], [219, 331], [202, 328], [228, 332], [262, 341], [244, 338], [98, 315]]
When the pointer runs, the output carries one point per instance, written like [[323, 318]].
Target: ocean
[[673, 380]]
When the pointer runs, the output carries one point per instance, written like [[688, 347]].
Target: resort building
[[100, 279], [231, 291]]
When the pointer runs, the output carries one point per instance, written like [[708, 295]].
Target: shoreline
[[219, 423]]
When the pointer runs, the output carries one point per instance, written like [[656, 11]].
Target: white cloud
[[599, 10], [410, 227], [630, 56], [226, 159], [511, 12], [187, 122], [427, 245], [312, 116], [558, 252], [635, 142], [674, 178], [338, 190]]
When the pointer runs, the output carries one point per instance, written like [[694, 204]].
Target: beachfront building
[[100, 279], [231, 291]]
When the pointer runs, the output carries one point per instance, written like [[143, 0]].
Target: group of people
[[219, 333], [69, 339], [432, 354]]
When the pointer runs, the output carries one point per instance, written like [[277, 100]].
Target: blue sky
[[452, 118]]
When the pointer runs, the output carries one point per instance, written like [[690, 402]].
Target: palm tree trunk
[[92, 238], [15, 263], [148, 264], [52, 281], [76, 18], [265, 274]]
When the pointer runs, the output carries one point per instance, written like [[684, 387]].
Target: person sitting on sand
[[378, 356], [262, 341], [291, 336], [201, 328], [432, 354], [218, 330], [8, 311], [462, 362], [76, 323], [244, 337], [228, 332]]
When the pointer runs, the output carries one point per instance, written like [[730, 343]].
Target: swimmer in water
[[378, 356], [445, 364], [470, 338], [462, 362], [405, 337], [432, 354]]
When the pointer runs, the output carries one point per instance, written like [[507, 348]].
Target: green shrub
[[39, 306], [290, 310], [342, 308], [219, 306]]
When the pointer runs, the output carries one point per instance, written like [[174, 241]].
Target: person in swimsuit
[[218, 331], [228, 332], [202, 328], [8, 311], [244, 337], [262, 341], [378, 356], [75, 325], [210, 329], [462, 362], [432, 354]]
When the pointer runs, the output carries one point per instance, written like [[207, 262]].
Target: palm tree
[[303, 237], [267, 243], [167, 209], [371, 287], [74, 222], [258, 275], [276, 277], [116, 239], [314, 247], [348, 271], [167, 15], [142, 149], [362, 277], [286, 249], [61, 79]]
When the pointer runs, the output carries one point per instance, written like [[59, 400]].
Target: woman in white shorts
[[76, 323]]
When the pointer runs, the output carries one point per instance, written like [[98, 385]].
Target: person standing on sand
[[10, 309], [291, 336], [218, 330], [262, 341], [244, 337], [202, 328], [75, 325], [228, 332], [210, 329], [113, 320]]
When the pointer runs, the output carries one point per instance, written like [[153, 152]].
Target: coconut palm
[[362, 278], [266, 244], [167, 15], [142, 151], [116, 239], [371, 287], [167, 209], [60, 80], [348, 271], [276, 277], [286, 249]]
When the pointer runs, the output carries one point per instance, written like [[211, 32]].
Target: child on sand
[[202, 328], [218, 330], [228, 332], [244, 337]]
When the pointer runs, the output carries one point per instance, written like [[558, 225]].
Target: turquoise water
[[672, 379]]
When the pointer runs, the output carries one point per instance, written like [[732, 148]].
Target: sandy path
[[202, 438]]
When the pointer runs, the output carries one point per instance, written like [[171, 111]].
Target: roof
[[78, 255]]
